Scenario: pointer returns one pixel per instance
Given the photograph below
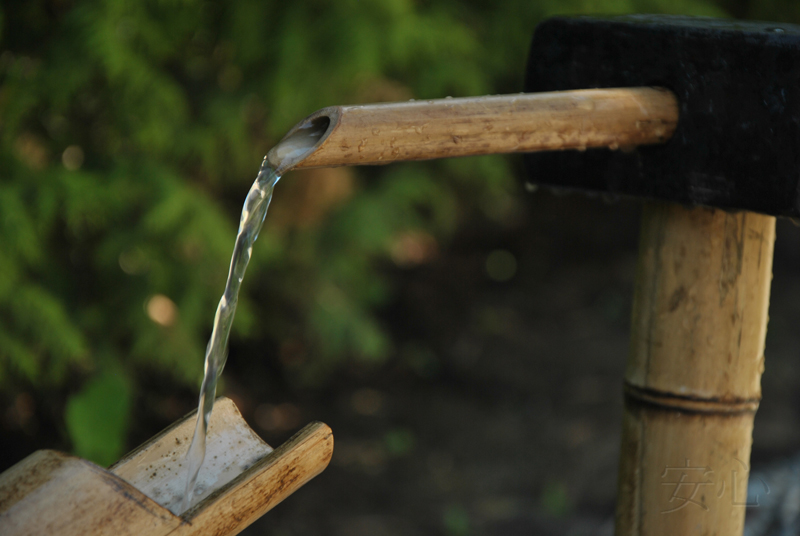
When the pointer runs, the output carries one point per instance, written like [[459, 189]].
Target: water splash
[[253, 214]]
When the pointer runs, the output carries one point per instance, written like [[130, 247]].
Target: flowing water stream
[[290, 150], [253, 213]]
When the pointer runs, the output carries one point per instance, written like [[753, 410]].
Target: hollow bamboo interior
[[692, 384], [262, 487], [420, 130], [53, 493], [157, 468]]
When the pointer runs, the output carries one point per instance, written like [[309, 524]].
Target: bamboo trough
[[54, 493]]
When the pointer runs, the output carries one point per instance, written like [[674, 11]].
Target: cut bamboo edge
[[617, 118], [54, 493]]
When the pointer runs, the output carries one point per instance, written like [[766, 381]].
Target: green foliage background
[[131, 130]]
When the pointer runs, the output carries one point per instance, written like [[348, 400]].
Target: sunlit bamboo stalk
[[421, 130]]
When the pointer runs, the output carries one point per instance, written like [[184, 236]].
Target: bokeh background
[[464, 339]]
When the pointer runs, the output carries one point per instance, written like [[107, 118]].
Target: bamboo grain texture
[[54, 493], [692, 384], [262, 487], [701, 303], [444, 128]]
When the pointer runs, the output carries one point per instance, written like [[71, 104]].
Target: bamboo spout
[[53, 493], [422, 130]]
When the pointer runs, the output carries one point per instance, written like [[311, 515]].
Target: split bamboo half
[[443, 128], [54, 493], [693, 380]]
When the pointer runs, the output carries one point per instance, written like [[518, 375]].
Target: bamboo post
[[53, 493], [692, 383], [443, 128]]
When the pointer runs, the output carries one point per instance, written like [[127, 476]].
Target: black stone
[[737, 145]]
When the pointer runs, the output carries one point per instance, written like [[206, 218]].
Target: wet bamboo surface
[[692, 383], [443, 128], [231, 447], [263, 486], [53, 493]]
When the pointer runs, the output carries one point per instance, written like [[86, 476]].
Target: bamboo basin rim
[[50, 492], [315, 428]]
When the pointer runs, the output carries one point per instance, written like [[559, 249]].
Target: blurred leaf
[[97, 417], [400, 441], [555, 499], [456, 521]]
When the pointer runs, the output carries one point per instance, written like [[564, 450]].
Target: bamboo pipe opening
[[302, 139], [421, 130]]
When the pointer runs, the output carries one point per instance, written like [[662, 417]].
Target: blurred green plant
[[456, 521], [97, 417], [130, 132], [400, 441], [555, 500]]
